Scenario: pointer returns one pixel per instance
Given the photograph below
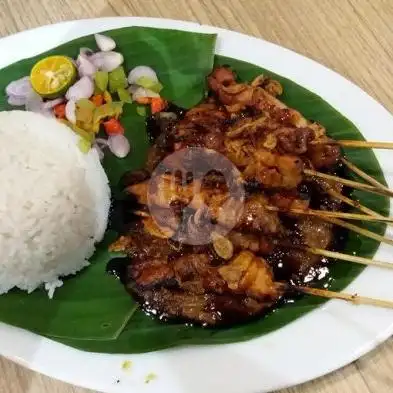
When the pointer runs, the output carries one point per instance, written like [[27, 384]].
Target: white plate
[[314, 345]]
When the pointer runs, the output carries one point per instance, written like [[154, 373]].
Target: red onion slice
[[119, 145], [85, 67], [100, 153], [86, 52], [83, 88], [34, 102], [70, 111], [21, 87], [16, 100], [101, 142], [52, 103], [141, 92], [107, 61], [104, 43], [141, 71]]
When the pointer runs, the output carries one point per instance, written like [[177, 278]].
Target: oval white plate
[[314, 345]]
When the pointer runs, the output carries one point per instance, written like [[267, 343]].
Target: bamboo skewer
[[352, 203], [352, 143], [141, 213], [350, 183], [332, 220], [327, 213], [354, 298], [359, 230], [324, 214], [345, 257], [364, 175]]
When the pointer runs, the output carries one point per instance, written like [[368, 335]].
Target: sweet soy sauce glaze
[[284, 261]]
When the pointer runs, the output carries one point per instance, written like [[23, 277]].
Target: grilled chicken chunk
[[232, 275]]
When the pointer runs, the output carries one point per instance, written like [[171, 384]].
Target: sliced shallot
[[133, 88], [85, 67], [107, 61], [70, 111], [83, 88], [86, 52], [167, 115], [99, 151], [20, 88], [16, 100], [141, 71], [34, 102], [47, 113], [101, 142], [52, 103], [119, 145], [104, 43], [141, 92]]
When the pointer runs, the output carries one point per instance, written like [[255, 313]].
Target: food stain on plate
[[150, 377], [126, 365]]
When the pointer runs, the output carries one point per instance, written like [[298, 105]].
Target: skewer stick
[[359, 230], [354, 298], [326, 213], [141, 213], [332, 220], [364, 175], [351, 143], [350, 183], [346, 257], [352, 203]]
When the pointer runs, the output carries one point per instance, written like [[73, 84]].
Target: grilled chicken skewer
[[364, 175], [359, 144], [353, 298], [237, 276], [167, 192]]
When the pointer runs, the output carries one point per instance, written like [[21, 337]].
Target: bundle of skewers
[[266, 242]]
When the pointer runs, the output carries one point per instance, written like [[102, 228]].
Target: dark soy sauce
[[122, 220], [118, 267]]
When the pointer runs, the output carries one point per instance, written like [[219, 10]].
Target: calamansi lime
[[52, 76]]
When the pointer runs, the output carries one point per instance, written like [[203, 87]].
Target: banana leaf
[[92, 305], [91, 311]]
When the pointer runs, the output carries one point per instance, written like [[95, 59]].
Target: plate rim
[[37, 361]]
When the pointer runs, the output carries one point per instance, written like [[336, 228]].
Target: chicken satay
[[274, 170], [251, 275], [190, 287], [258, 96], [226, 210], [256, 243]]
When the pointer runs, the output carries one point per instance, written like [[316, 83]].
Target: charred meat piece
[[241, 249], [202, 126], [256, 218], [324, 156], [274, 170], [221, 206], [289, 199], [204, 309], [193, 286], [311, 232], [255, 243], [251, 275], [221, 77], [294, 141]]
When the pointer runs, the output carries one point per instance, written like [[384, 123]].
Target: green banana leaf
[[92, 310], [93, 305]]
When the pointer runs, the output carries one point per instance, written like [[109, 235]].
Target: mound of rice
[[54, 202]]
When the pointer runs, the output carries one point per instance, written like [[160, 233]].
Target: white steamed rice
[[54, 202]]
